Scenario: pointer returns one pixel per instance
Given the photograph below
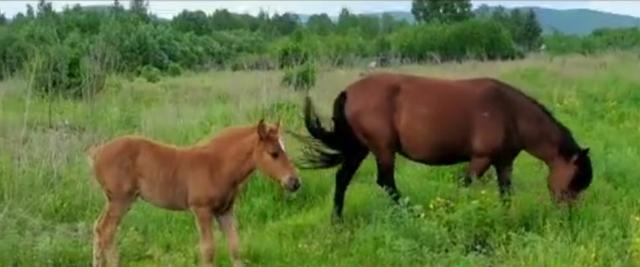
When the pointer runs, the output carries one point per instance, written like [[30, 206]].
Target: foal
[[203, 178]]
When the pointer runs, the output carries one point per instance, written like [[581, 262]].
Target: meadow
[[49, 200]]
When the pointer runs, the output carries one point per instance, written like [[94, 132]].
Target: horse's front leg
[[228, 226], [203, 216]]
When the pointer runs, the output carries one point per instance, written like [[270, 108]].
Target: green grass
[[48, 200]]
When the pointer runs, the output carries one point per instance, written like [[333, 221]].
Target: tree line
[[71, 51]]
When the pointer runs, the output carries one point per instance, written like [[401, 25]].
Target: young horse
[[439, 122], [204, 178]]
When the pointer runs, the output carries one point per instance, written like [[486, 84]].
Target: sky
[[167, 9]]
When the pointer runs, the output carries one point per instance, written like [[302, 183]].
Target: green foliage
[[441, 11], [294, 52], [150, 73], [473, 39], [301, 77], [320, 24], [49, 199], [599, 41], [3, 19], [174, 69], [123, 41]]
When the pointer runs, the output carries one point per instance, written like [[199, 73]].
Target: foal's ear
[[278, 124], [262, 130]]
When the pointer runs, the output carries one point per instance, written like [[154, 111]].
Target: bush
[[473, 39], [301, 77], [150, 73], [174, 69]]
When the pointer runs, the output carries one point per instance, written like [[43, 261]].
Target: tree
[[444, 11], [531, 31], [346, 21], [222, 19], [320, 24], [3, 19], [286, 23], [191, 21], [389, 24], [30, 13], [500, 15], [369, 25], [44, 8], [139, 6]]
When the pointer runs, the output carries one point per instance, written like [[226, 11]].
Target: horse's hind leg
[[105, 230], [477, 167], [385, 161], [343, 178]]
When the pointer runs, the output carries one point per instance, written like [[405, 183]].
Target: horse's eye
[[275, 155]]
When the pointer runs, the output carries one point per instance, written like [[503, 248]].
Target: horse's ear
[[585, 151], [262, 130]]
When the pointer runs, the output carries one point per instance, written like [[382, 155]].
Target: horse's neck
[[546, 149], [237, 153]]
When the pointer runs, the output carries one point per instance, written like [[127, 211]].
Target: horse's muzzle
[[293, 183]]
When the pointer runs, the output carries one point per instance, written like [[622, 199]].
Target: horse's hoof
[[336, 218]]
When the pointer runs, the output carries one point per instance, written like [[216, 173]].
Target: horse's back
[[430, 120]]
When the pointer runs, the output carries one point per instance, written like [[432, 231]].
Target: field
[[49, 200]]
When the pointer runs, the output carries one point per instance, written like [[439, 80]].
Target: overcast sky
[[168, 9]]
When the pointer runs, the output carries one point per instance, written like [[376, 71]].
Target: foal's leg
[[203, 216], [477, 167], [343, 178], [228, 226], [105, 231]]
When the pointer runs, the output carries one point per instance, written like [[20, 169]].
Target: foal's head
[[571, 176], [272, 160]]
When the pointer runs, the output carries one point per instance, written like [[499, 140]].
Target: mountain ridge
[[561, 20]]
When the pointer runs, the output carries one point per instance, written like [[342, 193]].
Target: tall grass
[[48, 199]]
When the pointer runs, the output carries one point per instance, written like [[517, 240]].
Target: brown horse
[[439, 122], [204, 178]]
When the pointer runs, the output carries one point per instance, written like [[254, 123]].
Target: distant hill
[[581, 21], [570, 21]]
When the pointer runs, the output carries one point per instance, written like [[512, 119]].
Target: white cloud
[[170, 8]]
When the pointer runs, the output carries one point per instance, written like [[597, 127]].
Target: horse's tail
[[326, 147]]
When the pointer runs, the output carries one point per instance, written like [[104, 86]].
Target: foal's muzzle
[[292, 184]]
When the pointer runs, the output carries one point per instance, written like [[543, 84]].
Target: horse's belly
[[164, 196], [439, 155]]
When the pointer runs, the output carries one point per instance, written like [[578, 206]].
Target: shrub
[[301, 77], [150, 73], [174, 69]]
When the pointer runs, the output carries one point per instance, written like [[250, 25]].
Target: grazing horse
[[482, 121], [204, 178]]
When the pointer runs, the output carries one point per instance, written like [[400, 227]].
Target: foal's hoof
[[238, 263]]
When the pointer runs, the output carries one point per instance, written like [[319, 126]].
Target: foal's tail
[[326, 147]]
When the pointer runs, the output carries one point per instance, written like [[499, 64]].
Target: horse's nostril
[[293, 183]]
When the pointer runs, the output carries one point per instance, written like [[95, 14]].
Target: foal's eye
[[275, 155]]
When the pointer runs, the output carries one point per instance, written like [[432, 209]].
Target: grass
[[48, 199]]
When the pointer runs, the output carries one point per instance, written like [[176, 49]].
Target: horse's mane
[[568, 145]]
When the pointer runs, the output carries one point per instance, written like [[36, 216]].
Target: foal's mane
[[568, 145]]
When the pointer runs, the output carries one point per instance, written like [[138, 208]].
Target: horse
[[203, 178], [481, 121]]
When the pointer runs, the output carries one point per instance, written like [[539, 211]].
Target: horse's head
[[570, 176], [271, 158]]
